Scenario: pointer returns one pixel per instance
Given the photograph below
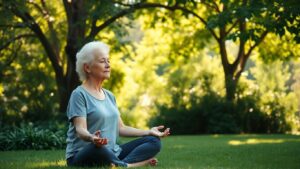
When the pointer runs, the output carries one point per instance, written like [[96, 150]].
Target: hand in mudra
[[97, 140], [155, 131]]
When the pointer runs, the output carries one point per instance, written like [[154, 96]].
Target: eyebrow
[[103, 58]]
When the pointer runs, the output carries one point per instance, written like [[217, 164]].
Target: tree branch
[[31, 23], [214, 6], [241, 52], [14, 55], [40, 9], [133, 7], [223, 51], [232, 26], [46, 14], [16, 25], [53, 34], [14, 39], [247, 55], [262, 37], [68, 8]]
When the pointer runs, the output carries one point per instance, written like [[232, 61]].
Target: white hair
[[86, 56]]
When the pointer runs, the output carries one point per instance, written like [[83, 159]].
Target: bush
[[211, 114], [218, 113], [181, 121], [28, 136], [214, 114]]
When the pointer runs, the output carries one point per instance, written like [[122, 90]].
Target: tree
[[42, 20], [247, 22]]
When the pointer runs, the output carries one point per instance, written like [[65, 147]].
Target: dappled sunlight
[[260, 141], [215, 135], [45, 164], [179, 146]]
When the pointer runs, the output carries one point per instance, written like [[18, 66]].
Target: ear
[[86, 68]]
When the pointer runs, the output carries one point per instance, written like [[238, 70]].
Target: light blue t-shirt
[[100, 115]]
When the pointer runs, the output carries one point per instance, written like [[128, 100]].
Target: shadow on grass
[[61, 164]]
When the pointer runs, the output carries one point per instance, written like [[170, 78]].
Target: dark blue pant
[[134, 151]]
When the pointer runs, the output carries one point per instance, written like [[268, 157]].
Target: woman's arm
[[84, 134], [127, 131]]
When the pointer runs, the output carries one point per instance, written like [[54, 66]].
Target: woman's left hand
[[154, 131]]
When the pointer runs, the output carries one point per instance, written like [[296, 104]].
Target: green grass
[[204, 151]]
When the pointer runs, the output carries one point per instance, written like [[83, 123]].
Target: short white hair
[[86, 56]]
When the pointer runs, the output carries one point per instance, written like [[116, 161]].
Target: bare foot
[[153, 161], [112, 165]]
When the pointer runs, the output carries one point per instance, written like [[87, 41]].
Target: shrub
[[31, 137], [214, 114]]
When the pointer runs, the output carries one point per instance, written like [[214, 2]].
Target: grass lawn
[[203, 151]]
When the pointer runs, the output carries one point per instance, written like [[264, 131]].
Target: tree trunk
[[72, 80], [230, 85], [63, 97], [229, 69], [76, 16]]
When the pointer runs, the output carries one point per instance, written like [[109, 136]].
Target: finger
[[166, 132], [96, 140], [97, 143], [102, 141], [160, 127], [97, 133], [105, 141]]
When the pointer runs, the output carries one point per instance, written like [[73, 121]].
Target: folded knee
[[155, 142]]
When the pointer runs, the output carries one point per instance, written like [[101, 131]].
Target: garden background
[[199, 67]]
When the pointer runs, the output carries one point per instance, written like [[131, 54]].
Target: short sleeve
[[111, 97], [114, 100], [77, 106]]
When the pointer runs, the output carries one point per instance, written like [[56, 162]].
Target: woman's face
[[100, 67]]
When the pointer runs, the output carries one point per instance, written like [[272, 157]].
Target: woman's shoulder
[[110, 95], [108, 92], [78, 92]]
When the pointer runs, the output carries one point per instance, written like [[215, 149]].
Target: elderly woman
[[95, 122]]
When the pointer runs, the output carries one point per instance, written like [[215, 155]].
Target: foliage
[[24, 98], [264, 104], [214, 114], [295, 87], [207, 116], [276, 97], [31, 137]]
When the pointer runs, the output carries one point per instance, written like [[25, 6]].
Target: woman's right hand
[[97, 140]]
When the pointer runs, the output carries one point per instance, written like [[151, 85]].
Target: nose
[[107, 65]]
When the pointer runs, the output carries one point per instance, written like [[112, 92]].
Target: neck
[[94, 84]]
